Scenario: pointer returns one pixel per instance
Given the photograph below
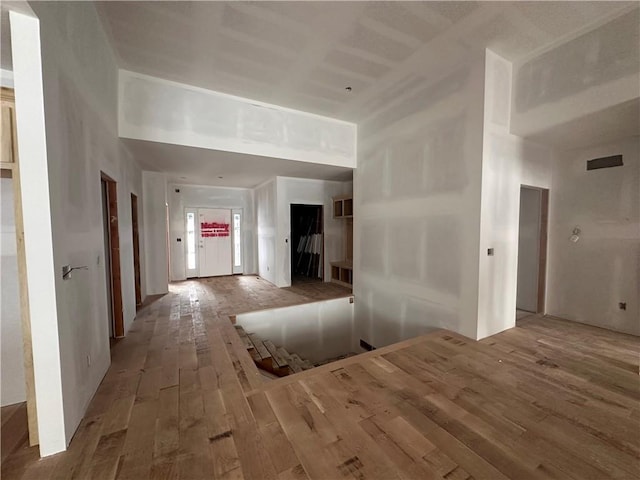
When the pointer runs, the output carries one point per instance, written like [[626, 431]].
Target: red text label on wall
[[214, 229]]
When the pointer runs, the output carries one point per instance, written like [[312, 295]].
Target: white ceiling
[[201, 166], [302, 55]]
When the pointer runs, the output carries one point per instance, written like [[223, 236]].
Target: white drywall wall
[[528, 250], [587, 279], [417, 204], [192, 196], [581, 75], [154, 187], [80, 93], [316, 331], [159, 110], [508, 162], [308, 192], [6, 78], [35, 188], [12, 388], [266, 222]]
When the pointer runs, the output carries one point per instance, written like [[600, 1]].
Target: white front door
[[214, 237]]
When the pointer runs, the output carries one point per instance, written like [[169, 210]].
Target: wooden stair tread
[[255, 356], [283, 353], [244, 337], [280, 360], [300, 363], [259, 346]]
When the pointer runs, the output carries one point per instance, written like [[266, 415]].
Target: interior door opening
[[307, 243], [112, 257], [136, 248], [532, 251]]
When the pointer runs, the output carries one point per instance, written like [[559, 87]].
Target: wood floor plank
[[183, 399]]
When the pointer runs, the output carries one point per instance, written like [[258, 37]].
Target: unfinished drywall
[[587, 279], [80, 97], [528, 250], [579, 76], [308, 192], [193, 196], [36, 207], [266, 223], [316, 331], [159, 110], [508, 162], [154, 206], [12, 388], [417, 196]]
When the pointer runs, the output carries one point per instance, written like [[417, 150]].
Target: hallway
[[182, 399]]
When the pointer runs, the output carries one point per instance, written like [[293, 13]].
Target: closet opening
[[307, 243]]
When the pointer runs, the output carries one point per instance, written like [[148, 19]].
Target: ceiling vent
[[605, 162]]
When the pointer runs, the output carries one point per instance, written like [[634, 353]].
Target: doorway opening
[[209, 249], [307, 243], [112, 256], [532, 251], [136, 248]]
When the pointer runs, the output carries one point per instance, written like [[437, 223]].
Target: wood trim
[[136, 248], [114, 242], [542, 251], [7, 96]]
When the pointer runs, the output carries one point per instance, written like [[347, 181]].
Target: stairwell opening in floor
[[291, 339]]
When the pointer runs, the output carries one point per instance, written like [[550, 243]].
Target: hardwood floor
[[15, 429], [183, 399]]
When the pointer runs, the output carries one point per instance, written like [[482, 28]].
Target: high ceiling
[[303, 55]]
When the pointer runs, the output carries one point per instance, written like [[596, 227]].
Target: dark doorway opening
[[112, 256], [307, 243], [136, 248], [532, 250]]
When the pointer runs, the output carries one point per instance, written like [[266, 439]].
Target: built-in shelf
[[342, 273], [343, 207]]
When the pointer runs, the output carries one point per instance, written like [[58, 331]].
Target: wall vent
[[605, 162], [366, 345]]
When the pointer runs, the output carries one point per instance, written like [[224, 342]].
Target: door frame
[[135, 232], [114, 255], [543, 232], [11, 169]]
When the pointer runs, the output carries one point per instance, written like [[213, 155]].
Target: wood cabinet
[[342, 270]]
